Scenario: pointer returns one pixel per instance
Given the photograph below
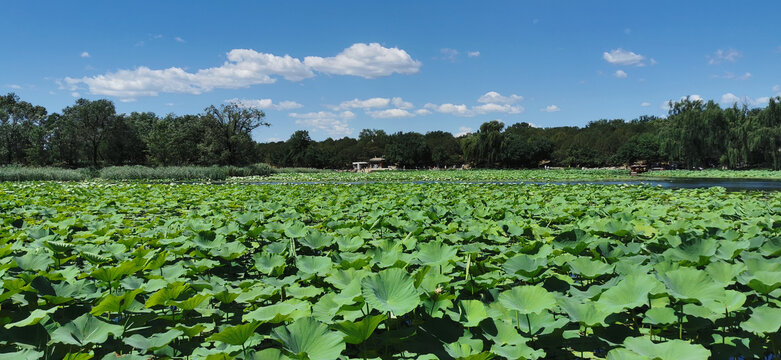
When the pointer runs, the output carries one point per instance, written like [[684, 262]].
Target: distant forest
[[91, 134]]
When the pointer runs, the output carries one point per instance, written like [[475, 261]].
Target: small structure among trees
[[375, 163]]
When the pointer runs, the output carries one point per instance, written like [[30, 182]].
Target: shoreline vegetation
[[265, 173]]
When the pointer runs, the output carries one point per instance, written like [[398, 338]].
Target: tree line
[[92, 134]]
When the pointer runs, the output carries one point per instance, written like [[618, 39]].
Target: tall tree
[[92, 119], [230, 128]]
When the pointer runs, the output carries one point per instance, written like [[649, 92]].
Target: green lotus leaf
[[359, 331], [690, 284], [319, 265], [435, 253], [279, 312], [527, 299], [166, 294], [526, 265], [296, 231], [115, 303], [191, 302], [729, 300], [630, 292], [472, 312], [764, 282], [235, 335], [723, 272], [763, 320], [25, 354], [391, 290], [35, 317], [316, 240], [34, 261], [153, 342], [307, 338], [660, 315], [269, 354], [85, 329], [668, 350], [588, 268], [590, 313], [266, 263]]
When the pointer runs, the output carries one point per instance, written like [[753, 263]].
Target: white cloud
[[366, 60], [776, 88], [84, 54], [503, 108], [452, 109], [178, 39], [14, 86], [401, 104], [473, 54], [493, 97], [729, 99], [733, 76], [721, 55], [621, 74], [645, 104], [376, 102], [693, 97], [623, 57], [390, 113], [330, 123], [422, 112], [246, 67], [449, 54], [550, 108], [463, 130], [265, 104], [274, 139], [75, 94]]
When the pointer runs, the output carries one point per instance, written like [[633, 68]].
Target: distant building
[[375, 163]]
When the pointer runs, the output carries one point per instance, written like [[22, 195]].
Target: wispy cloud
[[178, 39], [621, 74], [730, 99], [333, 124], [265, 104], [550, 109], [722, 55], [473, 54], [733, 76], [84, 54], [463, 130]]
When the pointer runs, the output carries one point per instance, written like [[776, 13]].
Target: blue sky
[[337, 67]]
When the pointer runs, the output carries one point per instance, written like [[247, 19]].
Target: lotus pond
[[390, 271]]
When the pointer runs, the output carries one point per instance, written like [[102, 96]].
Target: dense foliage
[[92, 134], [448, 271]]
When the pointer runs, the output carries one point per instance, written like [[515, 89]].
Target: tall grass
[[300, 170], [260, 169], [163, 173], [17, 173]]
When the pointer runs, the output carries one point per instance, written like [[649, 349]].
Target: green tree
[[229, 139]]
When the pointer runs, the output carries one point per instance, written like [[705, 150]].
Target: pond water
[[671, 183]]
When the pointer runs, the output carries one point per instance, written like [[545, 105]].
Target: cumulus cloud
[[401, 104], [620, 74], [473, 54], [550, 108], [265, 104], [246, 67], [366, 60], [493, 97], [645, 104], [422, 112], [376, 102], [84, 54], [730, 99], [503, 108], [390, 113], [333, 124], [623, 57], [722, 55], [451, 109], [463, 130]]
